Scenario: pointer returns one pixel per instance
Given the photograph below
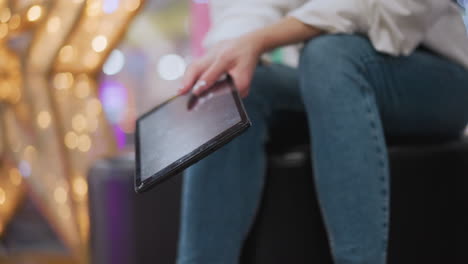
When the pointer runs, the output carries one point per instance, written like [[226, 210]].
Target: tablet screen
[[182, 125]]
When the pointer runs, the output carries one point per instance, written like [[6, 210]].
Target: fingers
[[191, 75], [242, 81], [209, 77]]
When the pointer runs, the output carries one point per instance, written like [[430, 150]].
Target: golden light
[[91, 60], [80, 187], [53, 25], [82, 87], [2, 196], [93, 124], [14, 22], [3, 30], [63, 80], [79, 123], [132, 5], [5, 15], [34, 13], [64, 212], [60, 195], [67, 53], [15, 176], [93, 8], [71, 140], [84, 143], [43, 119], [30, 153], [93, 107], [99, 43]]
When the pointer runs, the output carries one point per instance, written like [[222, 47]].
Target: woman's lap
[[341, 79]]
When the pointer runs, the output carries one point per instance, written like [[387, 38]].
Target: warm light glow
[[2, 196], [53, 25], [80, 187], [43, 119], [91, 60], [132, 5], [30, 153], [60, 195], [82, 89], [71, 140], [93, 107], [115, 63], [79, 123], [3, 30], [93, 124], [34, 13], [64, 212], [99, 43], [63, 80], [84, 143], [67, 53], [171, 67], [5, 15], [15, 176], [93, 8], [15, 22]]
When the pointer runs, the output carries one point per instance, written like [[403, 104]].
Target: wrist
[[257, 41]]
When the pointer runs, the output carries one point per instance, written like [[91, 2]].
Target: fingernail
[[196, 88]]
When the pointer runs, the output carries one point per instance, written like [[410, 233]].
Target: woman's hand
[[237, 57]]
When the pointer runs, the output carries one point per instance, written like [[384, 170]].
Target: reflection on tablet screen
[[184, 124]]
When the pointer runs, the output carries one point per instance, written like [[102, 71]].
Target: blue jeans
[[353, 97]]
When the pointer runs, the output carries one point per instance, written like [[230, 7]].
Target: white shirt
[[394, 27]]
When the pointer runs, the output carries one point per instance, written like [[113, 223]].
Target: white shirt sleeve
[[395, 27], [232, 18]]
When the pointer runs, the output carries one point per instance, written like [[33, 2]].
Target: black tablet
[[180, 132]]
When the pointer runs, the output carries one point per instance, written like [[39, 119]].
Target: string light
[[84, 143], [71, 140], [30, 153], [67, 53], [99, 43], [5, 15], [43, 119], [94, 107], [14, 22], [60, 195], [79, 123], [63, 80], [82, 87], [80, 187], [34, 13], [53, 25], [93, 8]]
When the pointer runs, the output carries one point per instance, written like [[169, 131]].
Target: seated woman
[[368, 69]]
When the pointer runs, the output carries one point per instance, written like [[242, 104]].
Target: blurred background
[[74, 76]]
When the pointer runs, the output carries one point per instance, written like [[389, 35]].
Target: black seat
[[428, 205]]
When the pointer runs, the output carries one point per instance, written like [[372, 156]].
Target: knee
[[333, 67], [335, 53]]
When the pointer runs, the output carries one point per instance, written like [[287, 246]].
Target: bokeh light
[[99, 43], [34, 13], [171, 67], [115, 63]]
